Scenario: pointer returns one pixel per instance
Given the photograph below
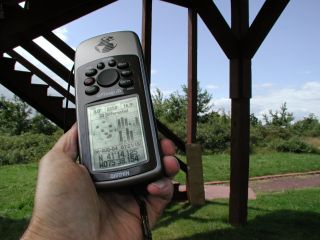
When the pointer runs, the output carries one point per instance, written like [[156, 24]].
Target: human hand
[[68, 206]]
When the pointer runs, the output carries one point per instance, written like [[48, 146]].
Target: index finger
[[168, 147]]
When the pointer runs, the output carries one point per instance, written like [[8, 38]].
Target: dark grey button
[[89, 81], [123, 65], [112, 63], [91, 72], [92, 90], [100, 65], [108, 77], [126, 73], [125, 83]]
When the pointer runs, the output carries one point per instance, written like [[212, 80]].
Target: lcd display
[[116, 135]]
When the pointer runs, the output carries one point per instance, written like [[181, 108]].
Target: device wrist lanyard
[[145, 227]]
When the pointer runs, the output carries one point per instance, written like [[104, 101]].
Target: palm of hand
[[67, 205]]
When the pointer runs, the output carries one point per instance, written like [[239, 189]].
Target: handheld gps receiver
[[118, 140]]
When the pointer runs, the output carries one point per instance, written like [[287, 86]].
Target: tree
[[40, 124], [254, 121], [204, 99], [14, 116], [309, 126], [281, 118], [174, 108]]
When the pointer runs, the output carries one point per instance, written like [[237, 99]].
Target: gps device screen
[[116, 136]]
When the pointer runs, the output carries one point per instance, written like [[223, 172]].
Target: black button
[[100, 65], [125, 83], [112, 63], [91, 72], [89, 81], [92, 90], [126, 73], [123, 65], [108, 77]]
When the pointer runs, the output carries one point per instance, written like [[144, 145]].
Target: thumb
[[68, 143]]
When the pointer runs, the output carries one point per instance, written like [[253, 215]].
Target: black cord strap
[[145, 227], [65, 123]]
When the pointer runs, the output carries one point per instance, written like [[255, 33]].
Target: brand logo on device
[[121, 174], [106, 44]]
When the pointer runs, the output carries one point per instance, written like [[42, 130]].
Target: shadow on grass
[[12, 229], [275, 225]]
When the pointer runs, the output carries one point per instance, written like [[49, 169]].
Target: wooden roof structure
[[19, 26]]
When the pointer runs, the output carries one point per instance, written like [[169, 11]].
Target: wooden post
[[146, 34], [192, 77], [240, 93], [195, 188]]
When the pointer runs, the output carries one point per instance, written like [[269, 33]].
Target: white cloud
[[166, 92], [301, 101], [266, 85], [61, 32], [154, 71], [211, 86]]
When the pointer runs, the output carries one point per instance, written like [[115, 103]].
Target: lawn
[[17, 184], [216, 167], [291, 210], [293, 215]]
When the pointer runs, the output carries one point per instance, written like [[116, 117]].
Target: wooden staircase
[[23, 25], [36, 95]]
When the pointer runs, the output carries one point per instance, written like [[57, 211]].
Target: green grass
[[289, 215], [17, 184], [216, 167]]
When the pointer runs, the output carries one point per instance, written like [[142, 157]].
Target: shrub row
[[24, 148]]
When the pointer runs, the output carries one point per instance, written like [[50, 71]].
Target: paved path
[[216, 190]]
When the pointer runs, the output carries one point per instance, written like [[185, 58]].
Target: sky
[[286, 68]]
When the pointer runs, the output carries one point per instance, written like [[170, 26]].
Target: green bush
[[24, 148], [294, 144], [309, 126], [214, 137]]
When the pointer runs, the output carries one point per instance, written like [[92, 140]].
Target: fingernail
[[159, 183]]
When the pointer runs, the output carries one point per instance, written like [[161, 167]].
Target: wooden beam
[[240, 93], [239, 164], [29, 24], [146, 34], [218, 27], [47, 60], [41, 75], [192, 77], [262, 24], [61, 45]]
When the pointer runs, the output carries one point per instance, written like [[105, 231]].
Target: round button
[[123, 65], [112, 63], [89, 81], [100, 65], [125, 83], [92, 90], [126, 73], [108, 77], [91, 72]]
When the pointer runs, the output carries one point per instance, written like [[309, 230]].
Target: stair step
[[19, 82], [18, 77], [7, 63], [38, 89], [56, 101]]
